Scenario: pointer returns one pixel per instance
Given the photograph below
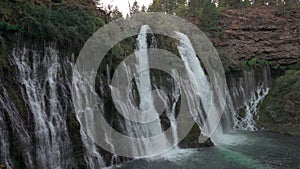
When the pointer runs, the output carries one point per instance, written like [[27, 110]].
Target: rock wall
[[269, 33]]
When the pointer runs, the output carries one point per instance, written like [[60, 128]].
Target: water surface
[[247, 150]]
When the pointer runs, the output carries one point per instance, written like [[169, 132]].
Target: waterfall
[[171, 111], [200, 91], [143, 78], [4, 138], [247, 90], [44, 137], [144, 91], [17, 125], [92, 157], [38, 73]]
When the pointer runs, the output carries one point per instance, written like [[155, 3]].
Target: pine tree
[[135, 8], [181, 8], [195, 7], [231, 3], [246, 3], [143, 9], [156, 6], [115, 13], [209, 19], [170, 6]]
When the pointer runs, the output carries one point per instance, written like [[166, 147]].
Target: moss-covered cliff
[[280, 111]]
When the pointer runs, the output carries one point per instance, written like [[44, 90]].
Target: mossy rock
[[191, 140], [279, 111], [242, 113]]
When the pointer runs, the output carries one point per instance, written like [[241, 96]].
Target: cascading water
[[4, 141], [38, 75], [144, 90], [247, 94], [200, 91], [171, 111], [16, 123], [92, 156], [247, 90]]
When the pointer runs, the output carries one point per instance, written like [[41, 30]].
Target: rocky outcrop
[[262, 32]]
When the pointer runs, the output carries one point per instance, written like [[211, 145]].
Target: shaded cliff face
[[261, 32], [280, 110]]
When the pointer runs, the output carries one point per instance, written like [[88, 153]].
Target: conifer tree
[[209, 19]]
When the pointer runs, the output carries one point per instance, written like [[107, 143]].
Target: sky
[[123, 4]]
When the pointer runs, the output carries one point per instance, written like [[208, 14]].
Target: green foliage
[[295, 66], [297, 5], [156, 6], [179, 7], [66, 25], [231, 3], [6, 27], [255, 63], [195, 7], [280, 109], [276, 66], [246, 3], [210, 17]]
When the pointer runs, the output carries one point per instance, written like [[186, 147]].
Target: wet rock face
[[262, 32], [192, 140]]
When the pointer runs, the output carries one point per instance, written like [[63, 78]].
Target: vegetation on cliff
[[35, 24], [280, 109], [69, 23]]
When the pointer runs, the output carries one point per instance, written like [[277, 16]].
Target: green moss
[[242, 113], [295, 66], [255, 63], [280, 109]]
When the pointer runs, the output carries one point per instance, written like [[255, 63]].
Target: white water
[[247, 93], [4, 138], [143, 78], [18, 128], [52, 142], [252, 90], [200, 92], [144, 91], [172, 112], [92, 156]]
